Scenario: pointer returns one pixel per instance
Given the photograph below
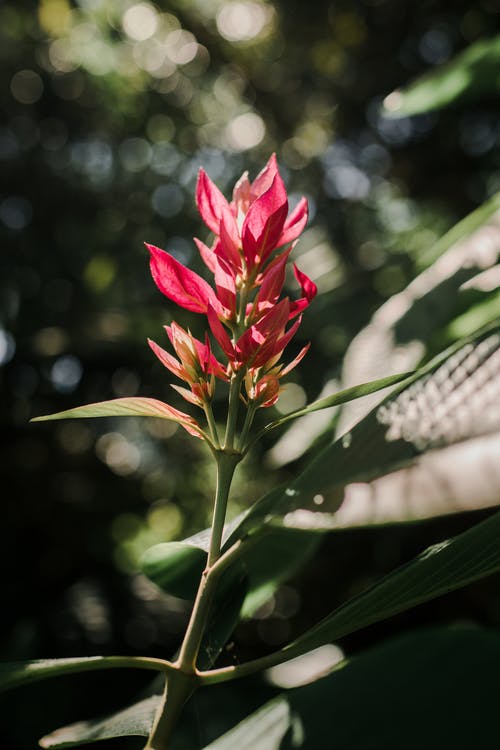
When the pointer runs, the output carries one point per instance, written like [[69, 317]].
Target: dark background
[[108, 110]]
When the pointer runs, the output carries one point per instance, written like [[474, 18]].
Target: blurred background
[[108, 109]]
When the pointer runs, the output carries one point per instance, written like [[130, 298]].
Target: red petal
[[220, 334], [168, 361], [207, 254], [267, 389], [274, 346], [210, 364], [229, 240], [226, 288], [273, 281], [264, 223], [295, 223], [289, 367], [264, 179], [187, 395], [309, 288], [256, 346], [241, 195], [298, 306], [210, 201], [180, 284]]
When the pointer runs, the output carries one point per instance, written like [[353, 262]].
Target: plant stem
[[251, 409], [178, 688], [232, 413], [182, 682], [211, 424], [226, 674], [226, 464]]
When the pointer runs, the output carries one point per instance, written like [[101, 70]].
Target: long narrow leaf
[[406, 425], [13, 674], [132, 406], [442, 568], [341, 397]]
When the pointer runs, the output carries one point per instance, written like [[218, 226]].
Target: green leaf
[[175, 567], [404, 329], [431, 689], [135, 720], [133, 406], [252, 579], [431, 410], [13, 674], [443, 567], [469, 76], [224, 615], [341, 397], [278, 555]]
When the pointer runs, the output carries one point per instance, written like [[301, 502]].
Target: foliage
[[104, 132]]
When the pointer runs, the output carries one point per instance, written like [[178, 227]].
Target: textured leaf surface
[[425, 689], [453, 399], [135, 720], [126, 407], [398, 335], [469, 76], [341, 397], [444, 567]]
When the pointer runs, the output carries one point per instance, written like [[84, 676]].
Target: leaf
[[133, 406], [397, 337], [135, 720], [341, 397], [277, 556], [13, 674], [407, 430], [469, 76], [426, 689], [451, 400], [175, 567], [252, 579], [224, 615], [443, 567]]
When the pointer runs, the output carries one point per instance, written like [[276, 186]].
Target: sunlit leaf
[[453, 399], [469, 76], [341, 397], [400, 332], [135, 720], [132, 406]]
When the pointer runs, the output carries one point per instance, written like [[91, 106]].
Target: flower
[[245, 311], [246, 314], [196, 365]]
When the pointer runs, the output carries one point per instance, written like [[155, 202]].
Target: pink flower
[[180, 284], [196, 364], [253, 225], [254, 236]]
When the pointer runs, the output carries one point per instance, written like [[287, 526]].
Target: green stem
[[226, 464], [251, 409], [225, 674], [211, 424], [183, 681], [232, 412], [178, 687]]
